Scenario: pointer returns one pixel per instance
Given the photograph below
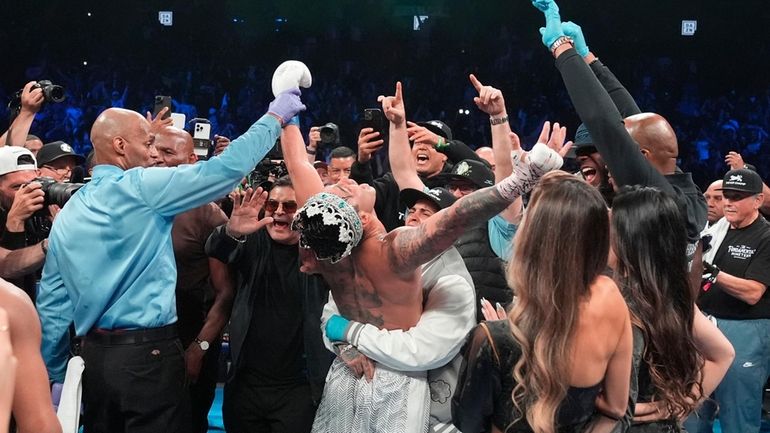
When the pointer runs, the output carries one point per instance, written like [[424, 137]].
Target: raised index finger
[[476, 83], [399, 96]]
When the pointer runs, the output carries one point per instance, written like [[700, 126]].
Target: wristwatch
[[559, 42], [203, 344]]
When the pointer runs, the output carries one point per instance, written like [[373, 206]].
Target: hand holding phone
[[160, 102]]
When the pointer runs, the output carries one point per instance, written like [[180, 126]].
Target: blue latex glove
[[576, 33], [286, 105], [552, 30], [336, 327]]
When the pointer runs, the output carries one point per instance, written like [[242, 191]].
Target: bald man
[[487, 154], [713, 196], [204, 289], [638, 148], [110, 268]]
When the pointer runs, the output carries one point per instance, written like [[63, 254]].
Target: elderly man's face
[[60, 169]]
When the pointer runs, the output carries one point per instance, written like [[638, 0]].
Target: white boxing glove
[[289, 75]]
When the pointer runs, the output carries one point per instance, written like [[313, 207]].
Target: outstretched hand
[[158, 123], [554, 136], [393, 106], [247, 206], [490, 99]]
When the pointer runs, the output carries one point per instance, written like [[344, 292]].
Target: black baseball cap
[[437, 127], [470, 170], [55, 150], [743, 180], [441, 197], [583, 143]]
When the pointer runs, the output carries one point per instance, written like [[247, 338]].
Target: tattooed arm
[[410, 247]]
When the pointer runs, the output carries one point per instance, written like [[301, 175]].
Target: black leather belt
[[131, 336]]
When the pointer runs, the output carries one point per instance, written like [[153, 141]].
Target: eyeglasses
[[288, 206], [61, 171]]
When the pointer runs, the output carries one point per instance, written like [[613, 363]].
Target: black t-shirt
[[744, 253], [274, 346]]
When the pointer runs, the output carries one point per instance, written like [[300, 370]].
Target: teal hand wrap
[[336, 327], [574, 31]]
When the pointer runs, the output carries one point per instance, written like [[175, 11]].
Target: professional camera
[[51, 93], [265, 173], [38, 226], [330, 134]]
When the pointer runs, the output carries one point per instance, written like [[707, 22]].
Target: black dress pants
[[248, 408], [134, 386]]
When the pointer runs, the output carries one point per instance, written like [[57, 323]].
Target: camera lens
[[54, 93]]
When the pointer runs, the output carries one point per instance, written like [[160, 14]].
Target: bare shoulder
[[606, 299], [21, 312], [400, 244]]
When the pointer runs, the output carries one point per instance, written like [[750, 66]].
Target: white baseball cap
[[16, 158]]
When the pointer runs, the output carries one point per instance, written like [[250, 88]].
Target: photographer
[[31, 100], [19, 201]]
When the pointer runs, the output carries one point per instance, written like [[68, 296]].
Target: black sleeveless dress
[[485, 385]]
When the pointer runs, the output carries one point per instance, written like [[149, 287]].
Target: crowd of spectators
[[348, 76]]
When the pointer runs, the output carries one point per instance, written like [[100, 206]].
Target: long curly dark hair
[[649, 240]]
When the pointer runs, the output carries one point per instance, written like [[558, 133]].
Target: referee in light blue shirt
[[110, 269]]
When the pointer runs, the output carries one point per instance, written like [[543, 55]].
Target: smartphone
[[179, 120], [201, 132], [160, 102], [375, 119]]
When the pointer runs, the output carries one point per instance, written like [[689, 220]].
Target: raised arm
[[303, 175], [401, 160], [620, 96], [596, 109], [410, 247], [31, 101]]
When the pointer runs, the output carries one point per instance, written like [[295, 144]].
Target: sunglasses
[[288, 206]]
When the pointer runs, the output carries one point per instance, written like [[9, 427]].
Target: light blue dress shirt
[[110, 260], [501, 234]]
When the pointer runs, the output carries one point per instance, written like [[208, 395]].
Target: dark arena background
[[216, 59]]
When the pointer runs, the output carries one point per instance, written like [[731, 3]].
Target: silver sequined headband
[[335, 211]]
